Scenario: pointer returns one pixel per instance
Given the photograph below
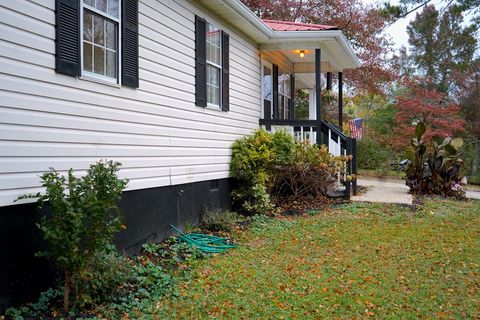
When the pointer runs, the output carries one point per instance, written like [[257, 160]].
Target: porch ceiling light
[[302, 53]]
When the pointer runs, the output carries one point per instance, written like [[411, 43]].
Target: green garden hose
[[206, 243]]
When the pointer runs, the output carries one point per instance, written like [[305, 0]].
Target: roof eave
[[311, 40], [250, 17]]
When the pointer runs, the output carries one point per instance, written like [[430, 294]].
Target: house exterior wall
[[175, 154], [156, 131]]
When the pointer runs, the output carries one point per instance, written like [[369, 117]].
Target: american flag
[[356, 128]]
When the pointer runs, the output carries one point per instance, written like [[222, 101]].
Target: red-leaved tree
[[421, 102]]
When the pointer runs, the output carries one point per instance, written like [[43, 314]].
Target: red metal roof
[[277, 25]]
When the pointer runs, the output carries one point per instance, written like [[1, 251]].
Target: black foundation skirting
[[148, 215]]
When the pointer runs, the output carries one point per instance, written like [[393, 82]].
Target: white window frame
[[92, 75], [220, 83], [268, 65], [286, 97]]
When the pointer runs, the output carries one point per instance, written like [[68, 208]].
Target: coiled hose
[[206, 243]]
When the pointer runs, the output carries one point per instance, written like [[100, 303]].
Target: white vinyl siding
[[155, 131]]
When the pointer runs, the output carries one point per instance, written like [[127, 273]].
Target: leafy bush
[[253, 158], [217, 220], [84, 218], [156, 273], [435, 171], [104, 280], [266, 164], [310, 171], [373, 155]]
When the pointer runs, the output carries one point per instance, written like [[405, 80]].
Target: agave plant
[[438, 171]]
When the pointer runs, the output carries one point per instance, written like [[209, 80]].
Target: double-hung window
[[97, 39], [100, 39], [214, 64], [211, 65], [283, 84]]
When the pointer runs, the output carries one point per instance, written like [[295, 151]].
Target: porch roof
[[337, 54], [278, 25]]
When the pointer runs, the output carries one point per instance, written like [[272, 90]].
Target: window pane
[[213, 85], [111, 64], [110, 35], [113, 8], [89, 2], [99, 30], [87, 26], [281, 81], [267, 87], [101, 5], [99, 60], [213, 44], [213, 76], [287, 85], [87, 57]]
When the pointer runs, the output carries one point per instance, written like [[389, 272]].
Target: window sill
[[100, 81], [215, 107]]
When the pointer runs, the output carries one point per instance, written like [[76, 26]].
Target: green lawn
[[352, 262]]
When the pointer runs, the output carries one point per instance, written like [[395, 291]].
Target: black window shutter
[[130, 43], [67, 37], [275, 90], [225, 71], [200, 62], [292, 99]]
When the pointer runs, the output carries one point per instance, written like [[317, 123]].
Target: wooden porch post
[[340, 101], [318, 92], [329, 81]]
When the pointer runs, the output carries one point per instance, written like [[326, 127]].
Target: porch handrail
[[342, 135]]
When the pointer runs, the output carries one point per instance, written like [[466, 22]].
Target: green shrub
[[253, 158], [266, 164], [155, 274], [373, 155], [218, 220], [84, 218], [104, 280]]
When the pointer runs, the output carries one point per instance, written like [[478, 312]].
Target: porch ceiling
[[307, 81], [336, 55]]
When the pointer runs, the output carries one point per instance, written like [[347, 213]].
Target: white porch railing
[[308, 134]]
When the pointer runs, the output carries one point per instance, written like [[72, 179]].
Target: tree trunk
[[66, 292]]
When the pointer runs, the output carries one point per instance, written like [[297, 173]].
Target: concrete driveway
[[384, 191], [392, 191]]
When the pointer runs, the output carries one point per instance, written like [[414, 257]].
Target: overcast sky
[[398, 31]]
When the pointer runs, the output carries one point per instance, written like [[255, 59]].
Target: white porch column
[[312, 108]]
